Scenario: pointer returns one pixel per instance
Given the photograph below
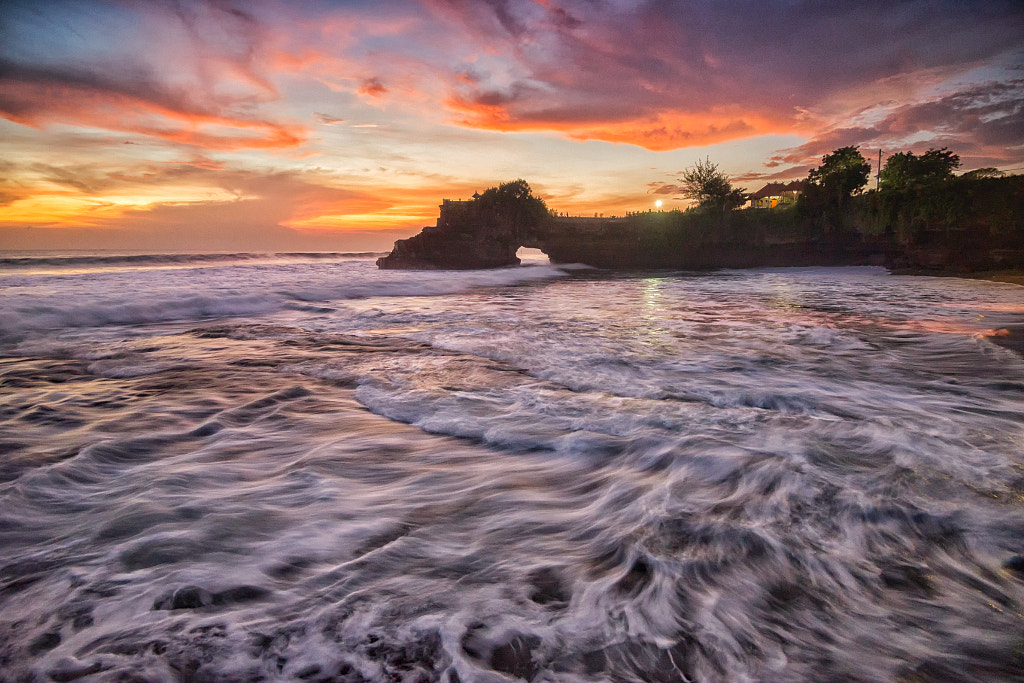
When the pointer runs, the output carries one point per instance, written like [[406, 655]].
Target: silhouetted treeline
[[923, 219], [959, 224]]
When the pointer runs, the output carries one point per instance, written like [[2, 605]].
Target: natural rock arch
[[483, 232]]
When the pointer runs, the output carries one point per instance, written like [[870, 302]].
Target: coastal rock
[[512, 654], [906, 577], [483, 232], [68, 669], [547, 588], [434, 250], [195, 597], [486, 232], [1015, 564], [186, 597]]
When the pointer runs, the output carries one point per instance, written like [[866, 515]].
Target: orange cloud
[[660, 132], [192, 73], [372, 87], [200, 203], [40, 104]]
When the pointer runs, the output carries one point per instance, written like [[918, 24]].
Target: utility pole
[[878, 170]]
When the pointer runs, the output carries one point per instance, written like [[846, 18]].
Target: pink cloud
[[190, 74], [372, 87]]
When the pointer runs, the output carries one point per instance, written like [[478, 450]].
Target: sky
[[268, 125]]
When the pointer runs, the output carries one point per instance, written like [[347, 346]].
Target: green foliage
[[513, 204], [842, 173], [974, 211], [905, 170], [710, 188], [987, 172]]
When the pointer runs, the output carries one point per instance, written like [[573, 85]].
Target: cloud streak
[[196, 81], [669, 75]]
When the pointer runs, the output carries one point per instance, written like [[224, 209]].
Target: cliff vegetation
[[923, 217]]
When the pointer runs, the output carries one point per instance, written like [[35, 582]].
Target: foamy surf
[[511, 475]]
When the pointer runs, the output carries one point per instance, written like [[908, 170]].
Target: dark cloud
[[187, 72], [672, 74], [372, 87], [983, 123], [327, 119], [791, 173], [663, 188]]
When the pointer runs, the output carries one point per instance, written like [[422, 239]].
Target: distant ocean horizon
[[295, 466]]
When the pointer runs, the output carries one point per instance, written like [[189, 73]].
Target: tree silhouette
[[513, 205], [710, 188], [903, 169], [842, 173]]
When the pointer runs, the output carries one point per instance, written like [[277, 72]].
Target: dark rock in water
[[194, 597], [516, 657], [513, 656], [906, 577], [548, 587], [1015, 564], [187, 597], [782, 594], [640, 660], [637, 578], [79, 614], [191, 597], [594, 662], [240, 594], [44, 643], [420, 656], [68, 669], [434, 251], [308, 671]]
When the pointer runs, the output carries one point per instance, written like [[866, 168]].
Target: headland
[[964, 227]]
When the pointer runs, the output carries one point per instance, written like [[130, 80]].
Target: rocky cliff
[[961, 227], [483, 232], [465, 239]]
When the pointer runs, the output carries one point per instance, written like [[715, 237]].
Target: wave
[[68, 261], [117, 299]]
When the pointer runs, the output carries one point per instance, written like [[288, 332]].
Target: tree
[[513, 204], [987, 172], [904, 170], [842, 173], [710, 188], [897, 171], [937, 164]]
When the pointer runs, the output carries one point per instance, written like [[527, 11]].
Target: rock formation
[[486, 232], [462, 239]]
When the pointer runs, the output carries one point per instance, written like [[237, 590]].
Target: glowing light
[[657, 204]]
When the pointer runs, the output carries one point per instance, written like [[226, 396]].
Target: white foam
[[97, 298]]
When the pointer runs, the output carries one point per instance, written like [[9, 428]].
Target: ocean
[[297, 467]]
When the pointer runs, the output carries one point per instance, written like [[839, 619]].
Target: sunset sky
[[263, 125]]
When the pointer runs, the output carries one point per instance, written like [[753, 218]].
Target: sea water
[[298, 467]]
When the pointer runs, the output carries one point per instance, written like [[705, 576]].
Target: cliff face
[[463, 239], [436, 249]]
